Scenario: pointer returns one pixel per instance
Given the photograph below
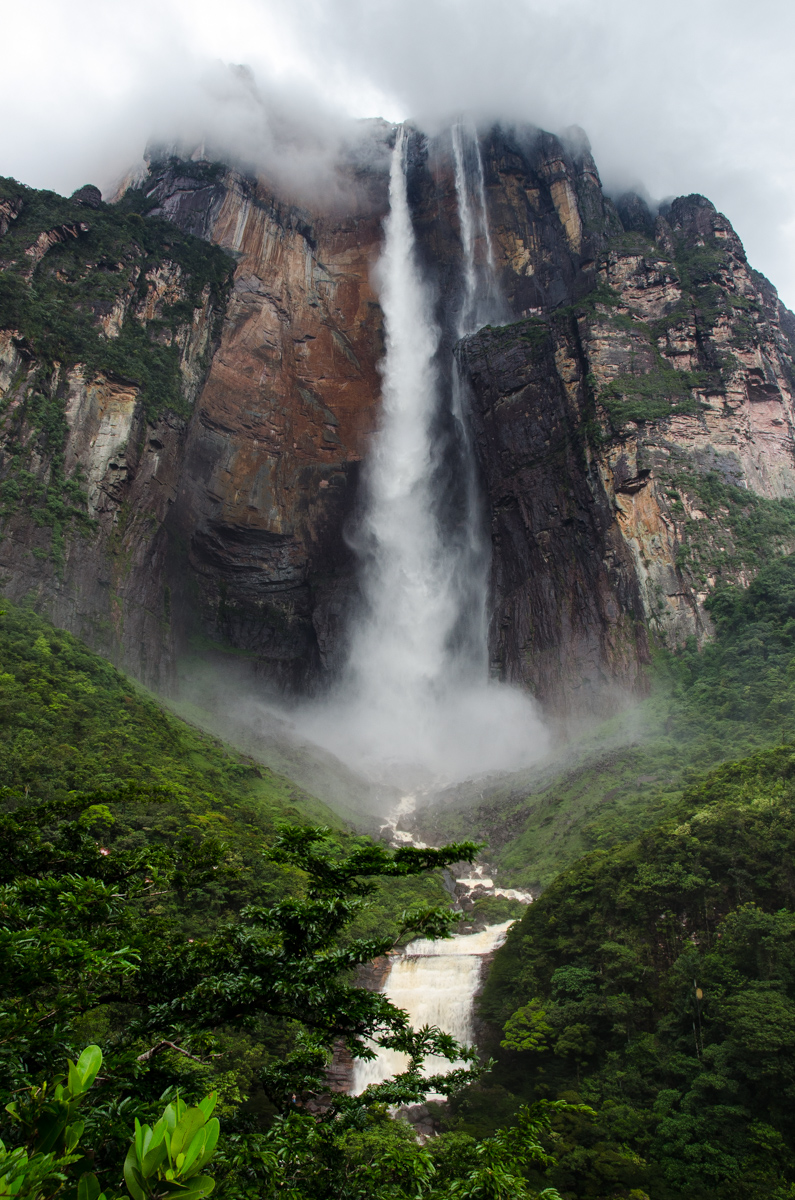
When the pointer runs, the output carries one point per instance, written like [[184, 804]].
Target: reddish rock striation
[[627, 417], [292, 395]]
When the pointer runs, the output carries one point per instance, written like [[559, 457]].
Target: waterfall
[[398, 655], [480, 304], [415, 706], [481, 299], [435, 982]]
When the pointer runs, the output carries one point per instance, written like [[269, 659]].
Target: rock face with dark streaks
[[637, 446], [180, 438], [568, 617], [272, 454]]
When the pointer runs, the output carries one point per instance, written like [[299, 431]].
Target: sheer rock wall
[[640, 387]]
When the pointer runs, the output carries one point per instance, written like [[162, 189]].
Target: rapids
[[436, 983]]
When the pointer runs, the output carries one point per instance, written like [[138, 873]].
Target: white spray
[[415, 705]]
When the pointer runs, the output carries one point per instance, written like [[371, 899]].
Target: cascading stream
[[415, 706], [435, 982]]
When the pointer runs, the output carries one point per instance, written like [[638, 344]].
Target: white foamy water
[[482, 303], [415, 704], [435, 982]]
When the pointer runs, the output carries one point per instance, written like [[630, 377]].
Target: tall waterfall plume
[[415, 705]]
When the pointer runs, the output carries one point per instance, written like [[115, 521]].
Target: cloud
[[678, 96]]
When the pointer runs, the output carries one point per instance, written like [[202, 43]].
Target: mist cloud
[[678, 97]]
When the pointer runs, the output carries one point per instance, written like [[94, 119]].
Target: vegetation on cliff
[[736, 530], [66, 266], [696, 267], [100, 290]]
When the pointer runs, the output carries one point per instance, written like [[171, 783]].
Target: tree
[[94, 938]]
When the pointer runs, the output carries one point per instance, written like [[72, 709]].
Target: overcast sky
[[679, 96]]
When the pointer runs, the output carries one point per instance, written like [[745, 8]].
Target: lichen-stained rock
[[548, 215], [84, 539], [284, 418], [109, 328], [568, 616], [637, 446]]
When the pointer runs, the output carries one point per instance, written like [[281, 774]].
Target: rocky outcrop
[[111, 327]]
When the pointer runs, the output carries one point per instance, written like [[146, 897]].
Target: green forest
[[182, 928], [180, 939]]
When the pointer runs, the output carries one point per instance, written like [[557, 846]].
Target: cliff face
[[637, 444], [190, 378], [271, 458], [108, 328]]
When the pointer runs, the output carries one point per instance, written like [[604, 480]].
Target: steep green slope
[[656, 981], [71, 721], [705, 707]]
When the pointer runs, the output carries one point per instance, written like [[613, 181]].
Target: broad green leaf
[[207, 1105], [138, 1138], [75, 1081], [201, 1186], [153, 1159], [72, 1135], [88, 1065], [211, 1134], [185, 1130], [132, 1176], [88, 1187], [185, 1161], [172, 1114], [159, 1134]]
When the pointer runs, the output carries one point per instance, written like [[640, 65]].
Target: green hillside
[[69, 721], [655, 981], [728, 700]]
